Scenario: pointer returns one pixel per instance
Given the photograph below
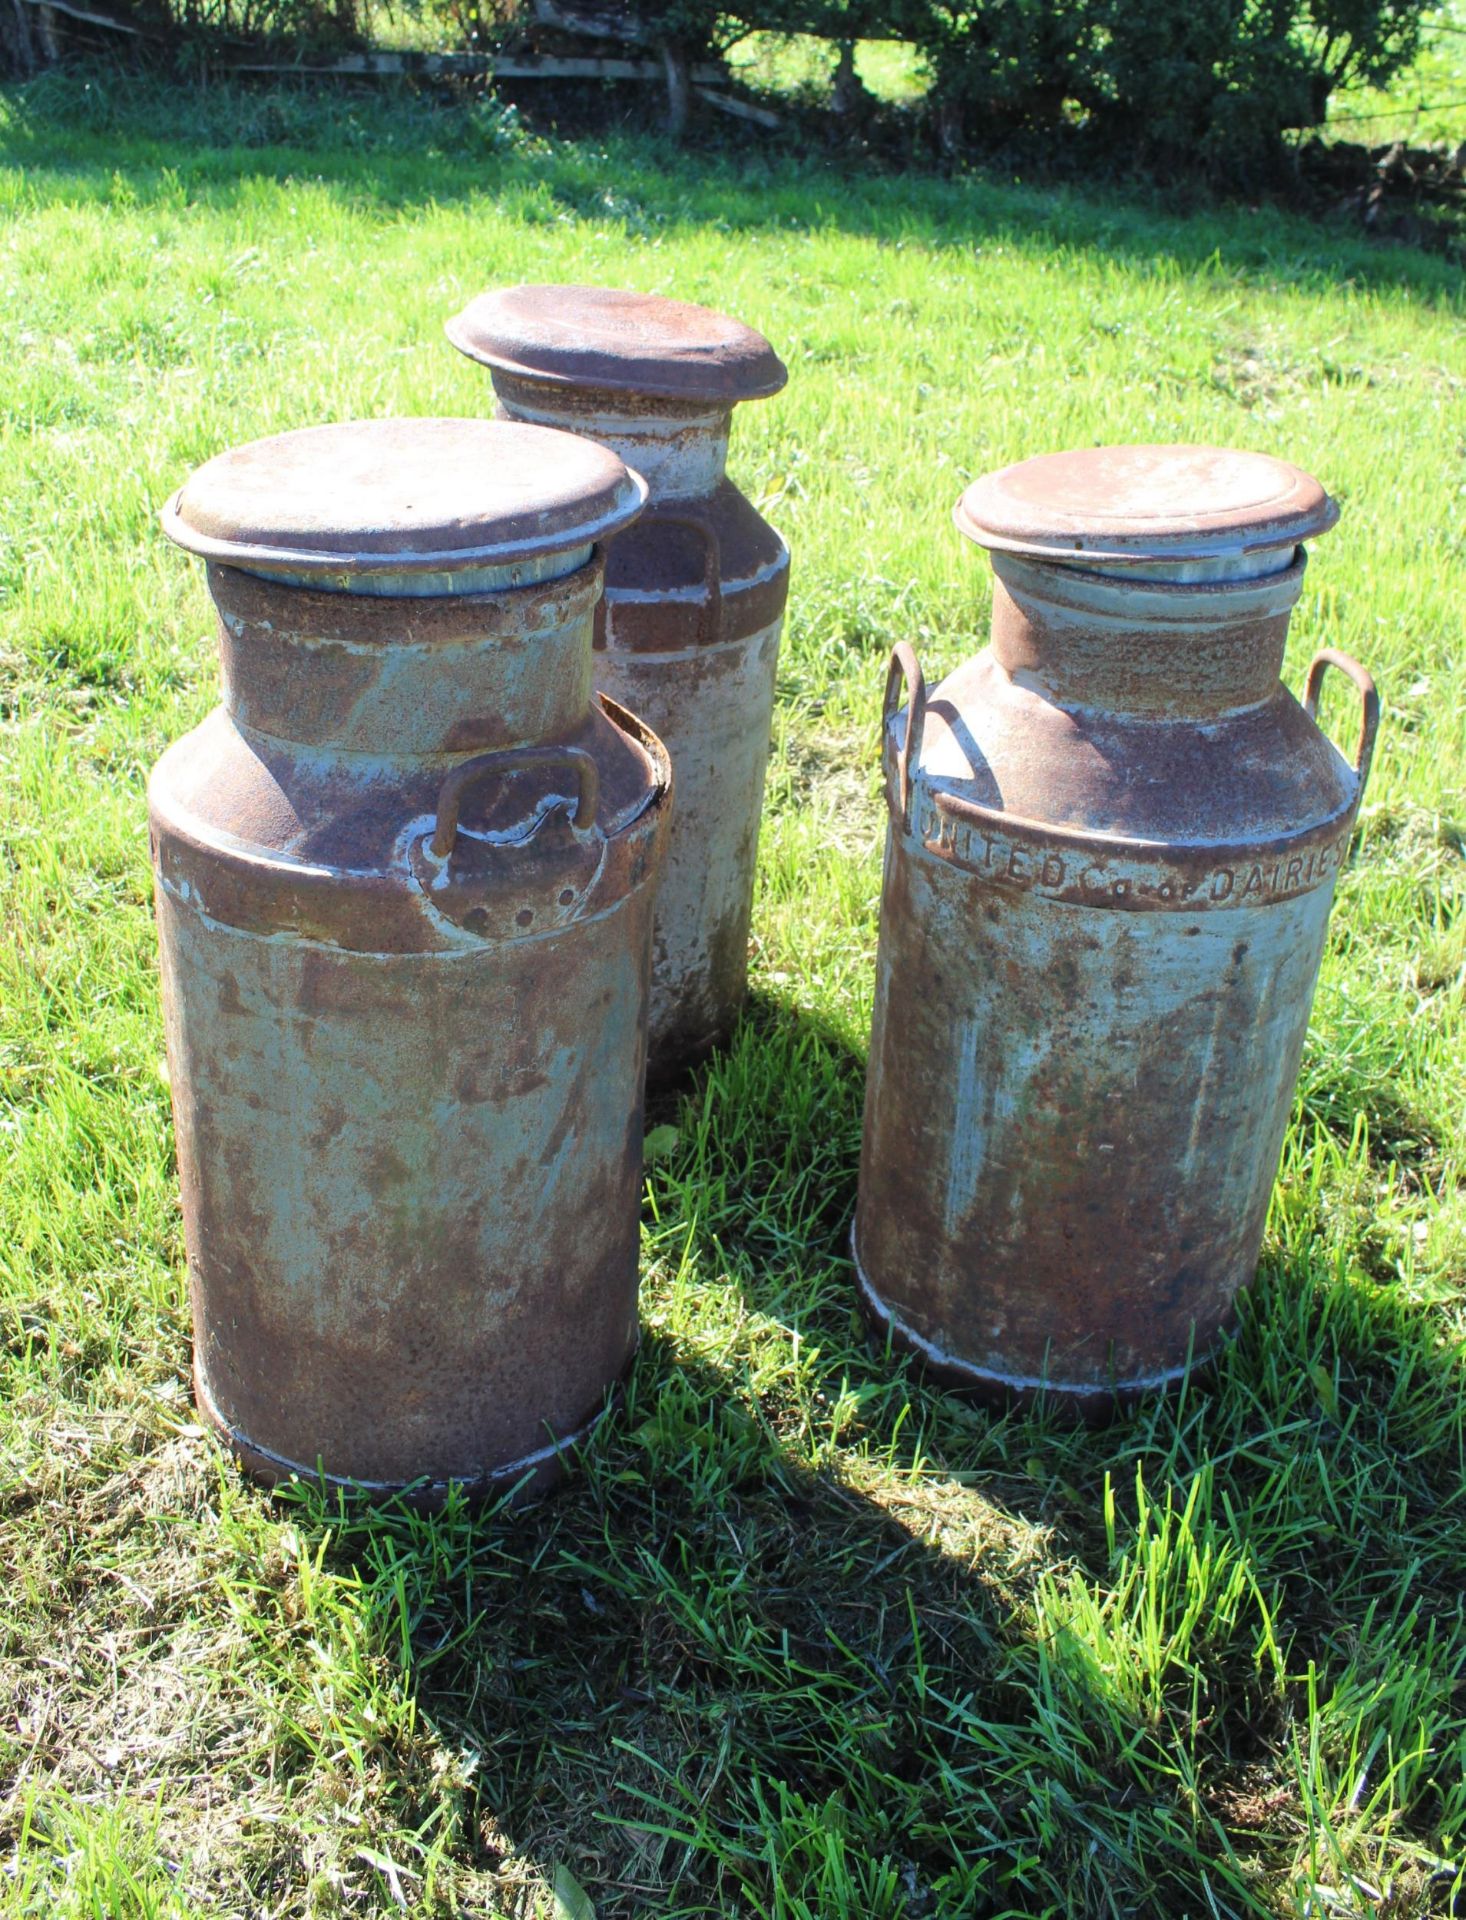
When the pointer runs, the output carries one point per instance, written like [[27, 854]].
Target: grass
[[803, 1637], [799, 63], [1427, 102]]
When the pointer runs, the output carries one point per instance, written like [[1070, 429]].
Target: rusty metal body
[[1113, 844], [404, 878], [694, 600]]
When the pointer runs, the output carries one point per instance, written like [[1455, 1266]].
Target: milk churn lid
[[403, 496], [619, 342], [1113, 506]]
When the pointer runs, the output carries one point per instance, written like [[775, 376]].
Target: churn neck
[[410, 676], [679, 447], [1167, 649]]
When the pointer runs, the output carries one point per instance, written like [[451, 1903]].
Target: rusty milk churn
[[404, 878], [694, 601], [1112, 847]]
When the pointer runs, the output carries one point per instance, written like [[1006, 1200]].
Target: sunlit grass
[[891, 70], [804, 1637]]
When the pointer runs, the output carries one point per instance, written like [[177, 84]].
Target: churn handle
[[710, 615], [905, 665], [483, 765], [1328, 657]]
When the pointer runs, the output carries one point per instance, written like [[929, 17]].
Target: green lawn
[[804, 1637], [1427, 102], [799, 63]]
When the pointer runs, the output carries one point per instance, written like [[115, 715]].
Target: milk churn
[[694, 600], [1113, 842], [404, 878]]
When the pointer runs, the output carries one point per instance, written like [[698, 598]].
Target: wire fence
[[1397, 113], [1403, 112]]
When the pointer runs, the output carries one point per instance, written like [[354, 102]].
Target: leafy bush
[[705, 26], [1169, 80], [470, 25], [1004, 64], [1177, 81], [305, 23]]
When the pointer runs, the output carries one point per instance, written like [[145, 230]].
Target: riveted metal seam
[[468, 945]]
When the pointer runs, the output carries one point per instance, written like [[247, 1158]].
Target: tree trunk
[[951, 131], [850, 95]]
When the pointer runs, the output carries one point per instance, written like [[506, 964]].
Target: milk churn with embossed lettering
[[694, 599], [1112, 850], [404, 878]]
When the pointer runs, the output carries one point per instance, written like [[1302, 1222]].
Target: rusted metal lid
[[1127, 506], [403, 497], [618, 342]]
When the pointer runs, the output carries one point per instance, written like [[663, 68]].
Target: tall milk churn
[[694, 600], [404, 878], [1113, 841]]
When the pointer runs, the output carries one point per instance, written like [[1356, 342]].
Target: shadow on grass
[[92, 132], [706, 1679], [804, 1636]]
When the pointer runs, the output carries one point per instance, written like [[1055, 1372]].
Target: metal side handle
[[710, 614], [488, 766], [905, 667], [1328, 657]]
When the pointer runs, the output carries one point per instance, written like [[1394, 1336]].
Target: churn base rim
[[1083, 1400], [546, 1467]]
